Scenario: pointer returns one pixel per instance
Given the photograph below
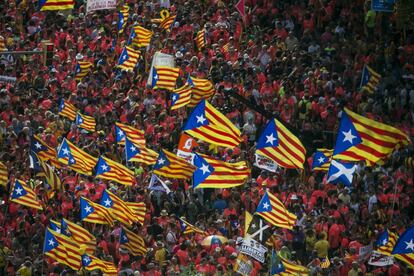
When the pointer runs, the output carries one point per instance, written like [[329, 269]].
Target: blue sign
[[383, 5]]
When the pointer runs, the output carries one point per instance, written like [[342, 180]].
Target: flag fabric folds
[[43, 151], [405, 244], [50, 176], [360, 138], [281, 266], [322, 159], [139, 210], [208, 124], [181, 97], [118, 207], [139, 153], [201, 89], [108, 169], [131, 241], [188, 228], [259, 230], [408, 259], [325, 263], [277, 143], [128, 59], [156, 184], [167, 22], [68, 110], [4, 174], [82, 69], [369, 79], [77, 159], [82, 236], [172, 166], [386, 242], [85, 122], [135, 135], [91, 263], [22, 194], [95, 213], [56, 5], [272, 210], [200, 39], [213, 173], [123, 15], [140, 36], [341, 172], [164, 77]]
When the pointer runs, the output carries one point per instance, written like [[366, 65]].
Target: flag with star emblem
[[123, 16], [325, 263], [91, 263], [132, 242], [50, 176], [43, 151], [68, 110], [164, 77], [273, 211], [277, 143], [200, 39], [322, 160], [405, 244], [341, 172], [22, 194], [200, 89], [172, 166], [208, 124], [108, 169], [4, 174], [135, 135], [284, 267], [386, 242], [95, 213], [360, 138], [85, 122], [180, 97], [213, 173], [75, 158], [82, 69], [259, 230], [139, 210], [62, 249], [56, 5], [118, 207], [369, 79], [82, 236], [140, 36], [167, 22], [128, 59], [156, 184], [408, 259], [188, 228], [139, 153]]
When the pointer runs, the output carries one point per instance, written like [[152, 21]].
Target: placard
[[253, 249], [94, 5]]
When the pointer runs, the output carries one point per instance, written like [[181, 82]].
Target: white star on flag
[[265, 205], [88, 209], [348, 136], [104, 167], [51, 242], [19, 191], [200, 119], [205, 169], [38, 145], [410, 245], [161, 161], [65, 151], [107, 202], [132, 148], [270, 139], [321, 160]]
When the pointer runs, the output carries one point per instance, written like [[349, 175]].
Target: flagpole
[[393, 202]]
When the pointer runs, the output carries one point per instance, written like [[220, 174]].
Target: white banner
[[160, 59], [365, 251], [188, 156], [265, 163], [254, 249], [7, 79], [94, 5], [377, 259]]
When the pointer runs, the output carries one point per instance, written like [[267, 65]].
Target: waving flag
[[164, 77], [180, 97], [208, 124], [43, 151], [139, 153], [22, 194], [201, 89], [123, 15], [200, 39], [95, 213], [140, 36], [188, 228], [85, 122], [325, 263], [404, 248], [277, 143], [75, 158], [108, 169], [82, 69], [131, 241], [340, 172], [128, 59], [135, 135], [156, 184], [259, 230], [62, 249], [213, 173], [322, 159], [170, 165], [386, 242], [139, 210], [91, 263], [369, 79], [281, 266], [51, 177], [272, 209], [118, 207], [56, 5], [167, 22], [68, 110], [4, 174], [186, 146], [79, 234]]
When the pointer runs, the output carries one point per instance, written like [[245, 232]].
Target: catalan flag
[[404, 248], [360, 138], [68, 110], [322, 159], [95, 213], [277, 143], [386, 242], [272, 209], [131, 241], [128, 59], [188, 228], [139, 210], [164, 77], [56, 5], [111, 170], [50, 176], [135, 135], [85, 122], [82, 69], [77, 159], [91, 263], [22, 194], [139, 153], [170, 165], [43, 151], [369, 79], [325, 263], [213, 173], [167, 22], [180, 97], [281, 266], [200, 39], [4, 174], [79, 234], [226, 47], [62, 249], [2, 44], [118, 207], [140, 36], [208, 124], [201, 89], [123, 15]]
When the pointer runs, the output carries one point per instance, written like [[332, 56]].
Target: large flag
[[322, 159], [75, 158], [180, 97], [281, 266], [4, 174], [52, 179], [91, 263], [131, 241], [277, 143], [404, 248], [85, 122], [118, 207], [68, 110], [140, 36], [82, 69], [341, 172], [139, 210], [201, 89], [22, 194], [95, 213], [43, 151], [272, 209], [167, 22], [360, 138], [123, 15], [62, 249], [172, 166], [164, 77], [369, 79], [128, 59], [111, 170], [156, 184], [200, 39], [259, 230], [139, 153], [82, 236], [188, 228], [56, 5], [135, 135], [386, 242], [213, 173], [210, 125]]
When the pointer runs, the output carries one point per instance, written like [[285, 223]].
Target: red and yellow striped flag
[[201, 89], [139, 153], [139, 210], [272, 210], [82, 69], [181, 97], [91, 263], [131, 241], [140, 36], [188, 228], [4, 174], [68, 110], [22, 194], [50, 176], [164, 77], [135, 135], [111, 170], [166, 22], [56, 5], [170, 165], [95, 213], [128, 58], [85, 122], [118, 207], [200, 39], [44, 151], [77, 159], [82, 236]]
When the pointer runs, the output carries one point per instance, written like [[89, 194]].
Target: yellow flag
[[247, 221]]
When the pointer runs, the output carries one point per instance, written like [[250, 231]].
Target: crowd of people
[[297, 60]]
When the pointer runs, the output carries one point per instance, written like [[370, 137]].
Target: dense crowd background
[[298, 60]]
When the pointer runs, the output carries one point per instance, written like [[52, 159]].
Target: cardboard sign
[[383, 5], [378, 259], [94, 5], [253, 249], [265, 163]]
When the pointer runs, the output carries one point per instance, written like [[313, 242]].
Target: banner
[[377, 259], [7, 79], [160, 59], [253, 249], [265, 163], [365, 252], [94, 5], [243, 265], [383, 5]]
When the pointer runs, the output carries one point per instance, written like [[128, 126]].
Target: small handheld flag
[[22, 194], [369, 79], [135, 135], [95, 213], [85, 122], [108, 169], [272, 210], [77, 159], [68, 110], [131, 241], [128, 59], [322, 160], [170, 165], [164, 77], [56, 5], [341, 172]]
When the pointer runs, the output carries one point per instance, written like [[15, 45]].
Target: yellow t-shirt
[[24, 271], [321, 248]]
